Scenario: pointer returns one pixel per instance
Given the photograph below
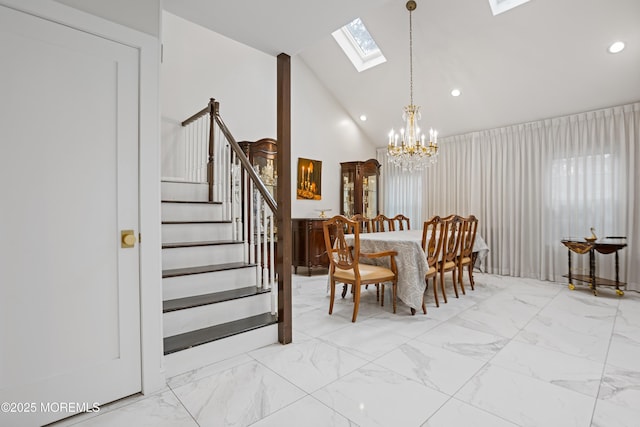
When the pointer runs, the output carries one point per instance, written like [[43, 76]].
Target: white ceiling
[[543, 59]]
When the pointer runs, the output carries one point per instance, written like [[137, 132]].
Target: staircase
[[214, 304]]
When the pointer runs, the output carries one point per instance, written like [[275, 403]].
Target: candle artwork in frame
[[309, 179]]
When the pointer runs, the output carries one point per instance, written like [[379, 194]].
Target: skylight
[[358, 45], [499, 6]]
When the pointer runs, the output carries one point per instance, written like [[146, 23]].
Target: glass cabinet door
[[348, 192], [359, 188], [262, 155], [265, 168], [370, 195]]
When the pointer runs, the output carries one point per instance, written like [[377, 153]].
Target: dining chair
[[365, 223], [466, 257], [381, 223], [403, 222], [345, 266], [450, 250], [365, 227], [433, 232]]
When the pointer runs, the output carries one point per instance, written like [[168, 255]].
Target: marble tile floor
[[514, 352]]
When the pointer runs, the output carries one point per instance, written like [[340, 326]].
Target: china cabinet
[[359, 184], [262, 155]]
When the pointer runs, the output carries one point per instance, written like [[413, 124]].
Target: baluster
[[187, 153], [257, 224], [235, 189], [272, 252], [201, 150], [265, 249], [245, 212]]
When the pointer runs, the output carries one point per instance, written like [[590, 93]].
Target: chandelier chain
[[410, 58]]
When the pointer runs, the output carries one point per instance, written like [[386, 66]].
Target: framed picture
[[309, 179]]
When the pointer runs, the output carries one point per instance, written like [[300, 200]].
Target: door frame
[[148, 46]]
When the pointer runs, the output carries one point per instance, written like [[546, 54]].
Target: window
[[358, 45], [499, 6]]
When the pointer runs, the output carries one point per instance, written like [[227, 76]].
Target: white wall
[[141, 15], [199, 64], [321, 130]]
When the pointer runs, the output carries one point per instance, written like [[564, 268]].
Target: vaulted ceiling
[[543, 59]]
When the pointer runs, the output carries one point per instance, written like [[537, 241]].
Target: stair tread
[[212, 298], [204, 243], [183, 181], [205, 221], [186, 271], [199, 202], [190, 339]]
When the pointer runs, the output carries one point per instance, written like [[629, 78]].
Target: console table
[[603, 246]]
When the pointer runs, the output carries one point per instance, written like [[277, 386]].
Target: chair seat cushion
[[466, 260], [368, 273], [449, 265], [431, 272]]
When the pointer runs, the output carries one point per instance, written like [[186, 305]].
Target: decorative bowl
[[590, 239]]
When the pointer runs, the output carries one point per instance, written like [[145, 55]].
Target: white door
[[69, 293]]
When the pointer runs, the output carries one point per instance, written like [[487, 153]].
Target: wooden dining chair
[[365, 227], [381, 223], [365, 223], [345, 266], [466, 258], [401, 222], [433, 232], [450, 250]]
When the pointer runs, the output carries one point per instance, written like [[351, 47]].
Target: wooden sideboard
[[308, 244]]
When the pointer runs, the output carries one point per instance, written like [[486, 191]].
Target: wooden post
[[283, 198], [213, 110]]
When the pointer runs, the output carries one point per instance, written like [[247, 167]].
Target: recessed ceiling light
[[616, 47], [363, 117], [455, 92]]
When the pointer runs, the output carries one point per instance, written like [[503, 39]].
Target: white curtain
[[401, 191], [532, 184]]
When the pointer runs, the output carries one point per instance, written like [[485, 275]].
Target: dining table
[[411, 260]]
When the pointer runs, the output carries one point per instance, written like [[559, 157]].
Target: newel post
[[213, 111]]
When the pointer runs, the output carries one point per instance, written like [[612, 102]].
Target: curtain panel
[[533, 184]]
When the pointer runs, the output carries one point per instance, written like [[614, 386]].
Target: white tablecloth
[[411, 259]]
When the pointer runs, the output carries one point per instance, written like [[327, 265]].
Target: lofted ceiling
[[543, 59]]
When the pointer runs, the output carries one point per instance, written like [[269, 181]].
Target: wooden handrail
[[196, 116], [213, 109]]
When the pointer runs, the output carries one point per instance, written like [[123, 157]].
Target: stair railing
[[232, 180]]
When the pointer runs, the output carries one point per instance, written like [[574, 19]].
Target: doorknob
[[127, 239]]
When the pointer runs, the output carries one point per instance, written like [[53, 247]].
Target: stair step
[[188, 282], [193, 231], [195, 202], [191, 339], [205, 221], [192, 211], [196, 244], [204, 269], [194, 254], [212, 298], [184, 190], [181, 181], [186, 361]]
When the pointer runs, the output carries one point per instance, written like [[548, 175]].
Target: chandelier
[[410, 149]]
